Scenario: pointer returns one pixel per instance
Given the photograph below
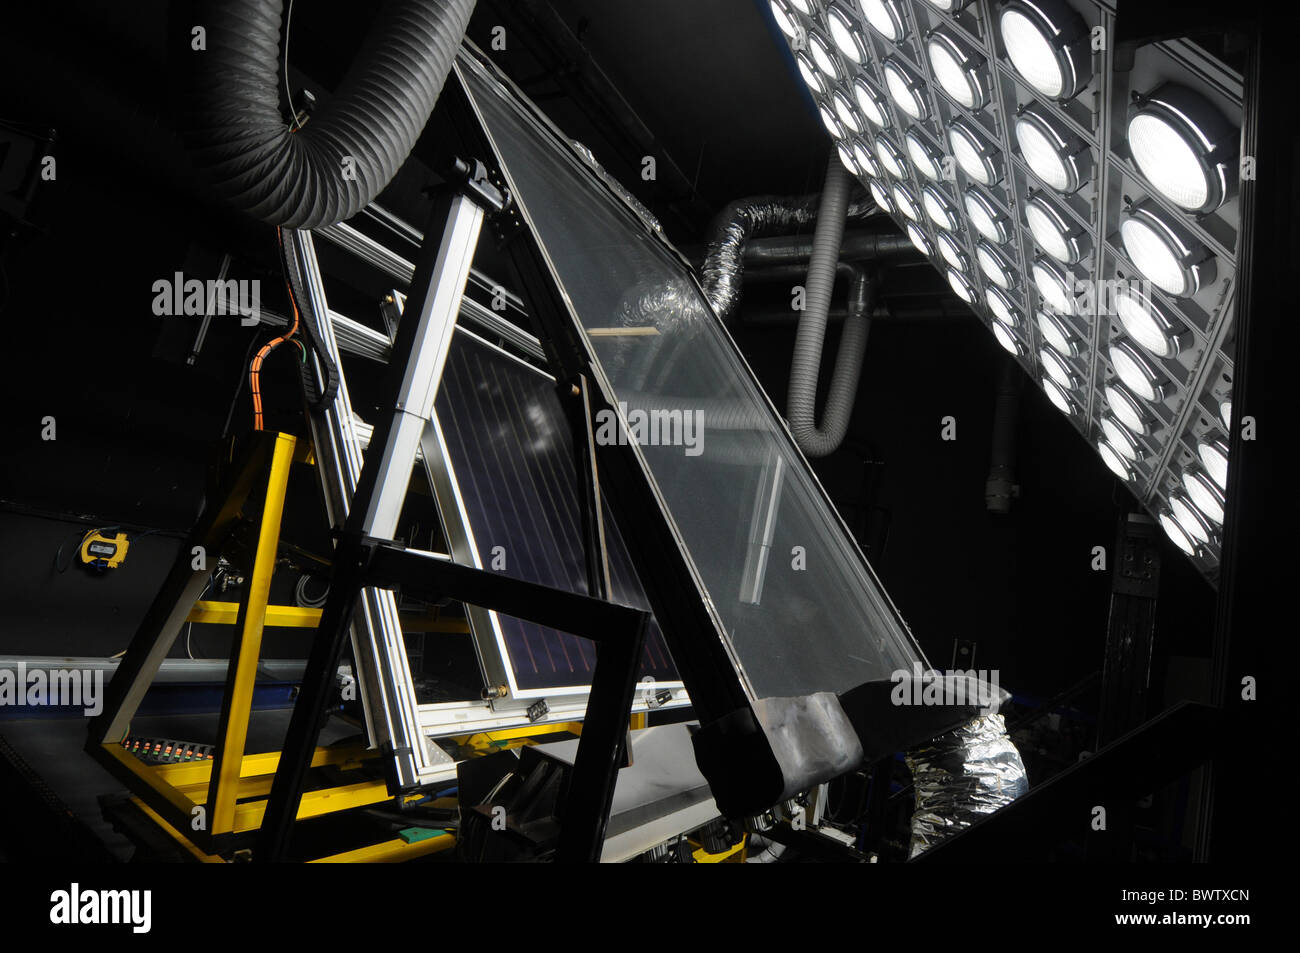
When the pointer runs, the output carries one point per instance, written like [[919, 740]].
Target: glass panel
[[511, 453], [803, 611]]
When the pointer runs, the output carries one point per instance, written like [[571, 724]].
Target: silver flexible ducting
[[961, 776], [805, 368], [723, 271], [332, 167]]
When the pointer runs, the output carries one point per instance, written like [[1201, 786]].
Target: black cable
[[327, 393]]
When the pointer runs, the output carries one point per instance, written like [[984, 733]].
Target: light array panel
[[1087, 213]]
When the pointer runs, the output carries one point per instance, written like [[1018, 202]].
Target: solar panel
[[510, 452]]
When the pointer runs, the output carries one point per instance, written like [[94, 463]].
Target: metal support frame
[[366, 557], [373, 503], [216, 802], [1130, 633]]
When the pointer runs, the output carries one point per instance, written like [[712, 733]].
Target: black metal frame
[[361, 561]]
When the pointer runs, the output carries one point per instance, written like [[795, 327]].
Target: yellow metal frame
[[210, 807], [732, 855], [207, 805]]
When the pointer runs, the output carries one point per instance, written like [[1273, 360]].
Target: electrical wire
[[255, 369], [189, 630]]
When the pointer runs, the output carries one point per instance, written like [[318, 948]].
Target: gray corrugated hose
[[805, 368], [355, 142]]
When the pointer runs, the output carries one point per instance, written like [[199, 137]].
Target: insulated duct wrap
[[724, 265], [961, 776], [343, 157]]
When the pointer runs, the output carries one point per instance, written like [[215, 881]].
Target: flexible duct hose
[[806, 365], [333, 166], [744, 219]]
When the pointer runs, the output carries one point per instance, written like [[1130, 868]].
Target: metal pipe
[[854, 246]]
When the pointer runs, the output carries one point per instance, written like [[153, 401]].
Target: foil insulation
[[724, 262], [961, 776]]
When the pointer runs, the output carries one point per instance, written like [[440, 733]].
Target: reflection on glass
[[799, 605]]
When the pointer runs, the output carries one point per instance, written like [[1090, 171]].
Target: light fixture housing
[[1165, 251], [925, 156], [1057, 334], [1127, 408], [1121, 438], [846, 33], [1147, 322], [1136, 372], [906, 88], [871, 103], [1055, 232], [1057, 369], [1115, 461], [831, 121], [811, 77], [951, 251], [1225, 412], [1205, 495], [881, 194], [1048, 43], [960, 285], [939, 210], [846, 113], [1213, 452], [1056, 155], [1007, 338], [1191, 520], [1002, 307], [891, 159], [1059, 397], [886, 18], [920, 240], [980, 161], [960, 71], [987, 218], [1055, 285], [1177, 535], [845, 149], [865, 160], [905, 202], [995, 266], [1184, 147], [823, 56], [785, 20]]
